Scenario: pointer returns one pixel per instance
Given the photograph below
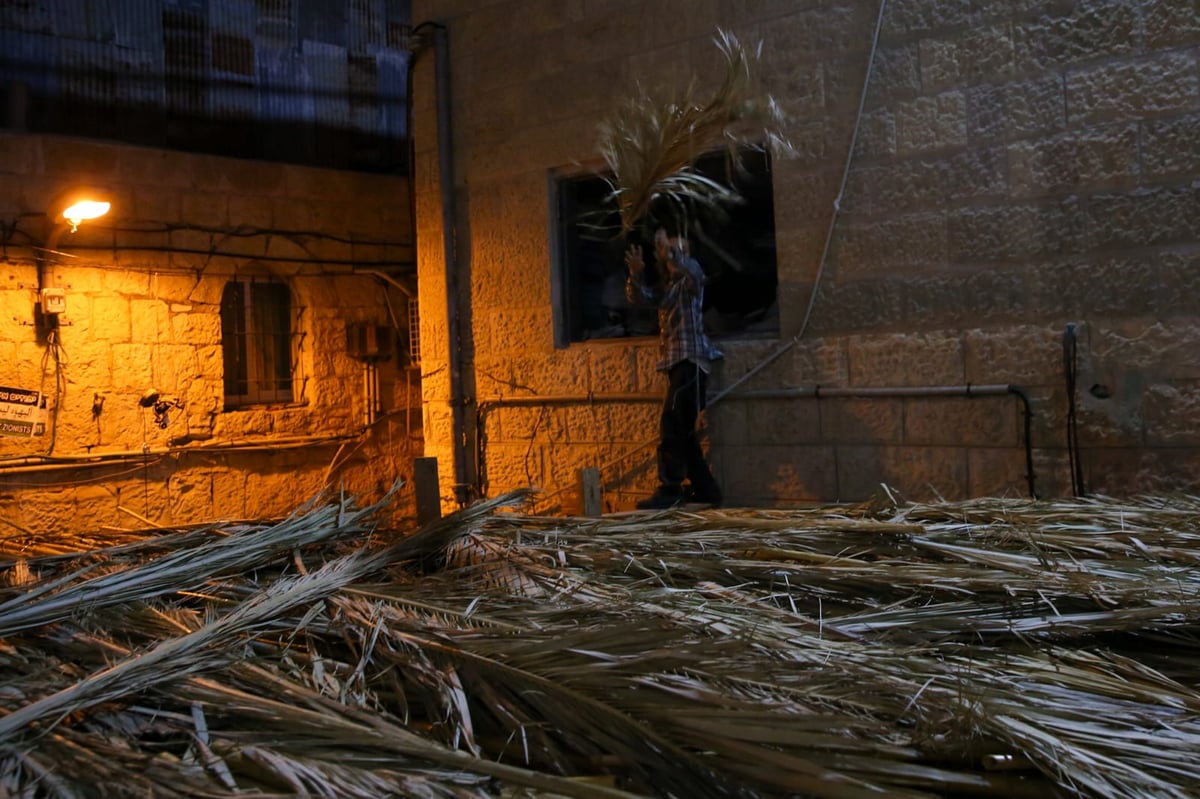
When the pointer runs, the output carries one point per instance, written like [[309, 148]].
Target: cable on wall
[[837, 207]]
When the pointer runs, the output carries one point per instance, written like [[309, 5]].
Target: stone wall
[[143, 292], [1020, 208]]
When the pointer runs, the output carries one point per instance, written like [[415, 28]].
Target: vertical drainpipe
[[445, 145]]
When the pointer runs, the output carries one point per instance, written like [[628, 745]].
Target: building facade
[[236, 334], [998, 196]]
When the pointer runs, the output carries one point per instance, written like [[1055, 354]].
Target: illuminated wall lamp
[[76, 207], [83, 210]]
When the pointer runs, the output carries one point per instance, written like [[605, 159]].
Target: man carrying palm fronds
[[651, 144], [687, 356]]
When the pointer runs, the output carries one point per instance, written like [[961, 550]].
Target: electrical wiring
[[1070, 371], [84, 481], [299, 237], [55, 350]]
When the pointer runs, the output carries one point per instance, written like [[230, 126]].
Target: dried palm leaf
[[652, 141]]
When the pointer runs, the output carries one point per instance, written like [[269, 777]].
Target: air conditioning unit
[[369, 342]]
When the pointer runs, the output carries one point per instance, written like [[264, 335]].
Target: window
[[736, 248], [414, 332], [256, 339]]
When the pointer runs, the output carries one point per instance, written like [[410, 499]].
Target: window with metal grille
[[256, 338]]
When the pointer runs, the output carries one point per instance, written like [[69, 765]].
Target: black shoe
[[709, 496], [661, 500]]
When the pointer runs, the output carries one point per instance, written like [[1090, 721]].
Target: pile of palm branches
[[986, 648]]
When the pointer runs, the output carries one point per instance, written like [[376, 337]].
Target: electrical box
[[54, 301]]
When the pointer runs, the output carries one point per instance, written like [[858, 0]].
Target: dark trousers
[[679, 453]]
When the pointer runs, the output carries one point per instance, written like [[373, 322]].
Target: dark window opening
[[256, 340], [735, 246]]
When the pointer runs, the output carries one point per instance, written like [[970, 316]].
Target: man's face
[[662, 245], [662, 248]]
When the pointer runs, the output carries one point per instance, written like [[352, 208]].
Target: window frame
[[280, 304], [569, 311]]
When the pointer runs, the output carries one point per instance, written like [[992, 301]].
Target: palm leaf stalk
[[652, 140], [883, 649]]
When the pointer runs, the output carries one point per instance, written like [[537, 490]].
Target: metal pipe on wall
[[967, 390], [450, 254]]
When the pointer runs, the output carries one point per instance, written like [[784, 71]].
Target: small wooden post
[[589, 489], [429, 496]]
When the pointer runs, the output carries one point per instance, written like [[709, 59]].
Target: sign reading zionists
[[22, 412]]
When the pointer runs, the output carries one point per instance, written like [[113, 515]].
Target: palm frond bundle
[[652, 140], [989, 648]]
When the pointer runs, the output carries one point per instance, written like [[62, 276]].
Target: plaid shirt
[[680, 314]]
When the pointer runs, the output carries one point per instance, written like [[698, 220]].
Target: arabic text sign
[[21, 412]]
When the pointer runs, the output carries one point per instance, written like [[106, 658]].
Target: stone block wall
[[1019, 171], [143, 292]]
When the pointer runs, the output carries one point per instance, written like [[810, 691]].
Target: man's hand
[[634, 262]]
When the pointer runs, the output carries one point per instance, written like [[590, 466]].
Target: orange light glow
[[82, 210]]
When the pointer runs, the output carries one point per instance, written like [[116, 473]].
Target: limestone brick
[[754, 475], [1052, 473], [1150, 216], [1094, 158], [1083, 32], [29, 360], [896, 73], [1017, 231], [728, 422], [586, 424], [1021, 355], [822, 362], [925, 182], [16, 302], [877, 135], [250, 211], [990, 297], [18, 155], [1124, 472], [1168, 146], [1019, 108], [1178, 282], [155, 207], [785, 421], [518, 330], [511, 466], [205, 209], [966, 421], [843, 307], [612, 369], [1134, 89], [1170, 23], [998, 472], [888, 360], [908, 17], [1163, 349], [111, 319], [83, 161], [8, 364], [976, 55], [859, 421], [634, 423], [524, 423], [879, 247], [149, 319], [939, 67], [915, 473], [740, 358]]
